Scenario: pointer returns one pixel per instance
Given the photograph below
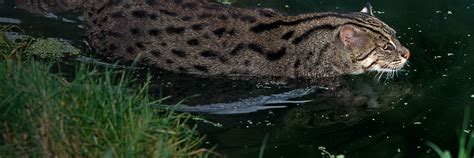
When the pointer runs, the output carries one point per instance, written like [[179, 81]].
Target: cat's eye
[[388, 46]]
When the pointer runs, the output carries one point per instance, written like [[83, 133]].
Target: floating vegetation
[[51, 48]]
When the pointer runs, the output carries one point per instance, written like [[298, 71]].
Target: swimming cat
[[209, 39]]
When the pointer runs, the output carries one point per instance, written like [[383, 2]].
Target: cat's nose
[[405, 53]]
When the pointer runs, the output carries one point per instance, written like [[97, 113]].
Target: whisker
[[389, 74], [407, 63], [381, 74], [378, 72]]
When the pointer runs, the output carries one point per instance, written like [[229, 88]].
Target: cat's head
[[372, 44]]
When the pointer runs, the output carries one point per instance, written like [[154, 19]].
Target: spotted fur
[[208, 39]]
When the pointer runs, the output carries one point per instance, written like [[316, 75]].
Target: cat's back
[[189, 36]]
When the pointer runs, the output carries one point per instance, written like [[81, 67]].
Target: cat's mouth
[[389, 70], [391, 67]]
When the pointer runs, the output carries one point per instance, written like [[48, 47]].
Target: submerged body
[[208, 39]]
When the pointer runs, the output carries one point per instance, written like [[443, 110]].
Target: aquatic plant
[[466, 142], [51, 48], [46, 48]]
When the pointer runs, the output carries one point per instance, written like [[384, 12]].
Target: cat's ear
[[367, 9], [350, 37]]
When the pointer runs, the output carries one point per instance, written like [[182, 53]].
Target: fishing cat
[[209, 39]]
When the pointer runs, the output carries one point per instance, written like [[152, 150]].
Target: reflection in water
[[359, 100], [343, 100], [331, 111], [251, 104]]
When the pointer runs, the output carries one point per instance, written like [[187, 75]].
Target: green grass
[[9, 49], [262, 148], [93, 114], [466, 142]]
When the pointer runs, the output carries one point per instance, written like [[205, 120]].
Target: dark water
[[424, 103]]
